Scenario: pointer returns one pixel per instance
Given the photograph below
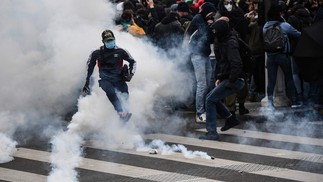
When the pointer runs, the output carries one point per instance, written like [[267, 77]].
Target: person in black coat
[[230, 80], [236, 16], [169, 33]]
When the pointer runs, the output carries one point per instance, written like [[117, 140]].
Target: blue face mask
[[110, 44]]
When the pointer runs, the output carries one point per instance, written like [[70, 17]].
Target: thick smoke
[[165, 149], [44, 48]]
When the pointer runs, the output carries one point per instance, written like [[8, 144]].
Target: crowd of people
[[213, 29]]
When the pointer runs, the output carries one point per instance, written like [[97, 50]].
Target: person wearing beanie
[[206, 9], [229, 70], [185, 16], [199, 47], [113, 72]]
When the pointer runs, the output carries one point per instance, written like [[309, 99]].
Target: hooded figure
[[229, 80], [206, 9], [220, 29], [238, 22]]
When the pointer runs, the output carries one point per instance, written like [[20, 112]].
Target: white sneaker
[[201, 118]]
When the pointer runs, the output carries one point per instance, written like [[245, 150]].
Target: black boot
[[242, 109], [232, 121]]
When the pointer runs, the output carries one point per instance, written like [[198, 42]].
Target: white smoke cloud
[[7, 148], [43, 54], [44, 48], [165, 149], [65, 157]]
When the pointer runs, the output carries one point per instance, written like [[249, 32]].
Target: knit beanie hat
[[207, 8]]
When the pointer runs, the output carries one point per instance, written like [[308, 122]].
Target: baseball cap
[[107, 35]]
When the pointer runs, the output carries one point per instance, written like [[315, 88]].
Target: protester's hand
[[150, 3], [225, 18], [86, 88], [251, 14], [217, 82]]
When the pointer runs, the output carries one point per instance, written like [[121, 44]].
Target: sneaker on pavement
[[125, 116], [201, 118], [210, 136], [229, 123], [296, 104]]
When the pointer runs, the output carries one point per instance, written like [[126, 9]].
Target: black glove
[[128, 77], [86, 89], [126, 73]]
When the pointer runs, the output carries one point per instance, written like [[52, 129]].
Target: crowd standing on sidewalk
[[213, 27]]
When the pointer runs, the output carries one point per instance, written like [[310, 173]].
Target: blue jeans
[[215, 105], [284, 62], [203, 72], [111, 88]]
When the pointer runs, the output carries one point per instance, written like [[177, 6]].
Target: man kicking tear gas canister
[[113, 72]]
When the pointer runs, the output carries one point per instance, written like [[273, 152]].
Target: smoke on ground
[[44, 49]]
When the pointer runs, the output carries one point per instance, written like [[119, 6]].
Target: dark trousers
[[111, 88]]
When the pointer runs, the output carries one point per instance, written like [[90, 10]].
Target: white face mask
[[228, 7]]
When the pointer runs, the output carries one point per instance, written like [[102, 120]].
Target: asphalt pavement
[[279, 145]]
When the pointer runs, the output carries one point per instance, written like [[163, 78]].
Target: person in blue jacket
[[280, 59]]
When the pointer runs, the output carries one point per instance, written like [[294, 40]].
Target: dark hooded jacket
[[301, 18], [226, 49], [146, 22], [236, 17], [169, 33]]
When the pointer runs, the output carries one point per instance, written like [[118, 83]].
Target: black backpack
[[274, 40], [247, 59]]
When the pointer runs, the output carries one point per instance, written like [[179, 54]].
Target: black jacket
[[237, 19], [110, 63], [229, 65], [169, 33]]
